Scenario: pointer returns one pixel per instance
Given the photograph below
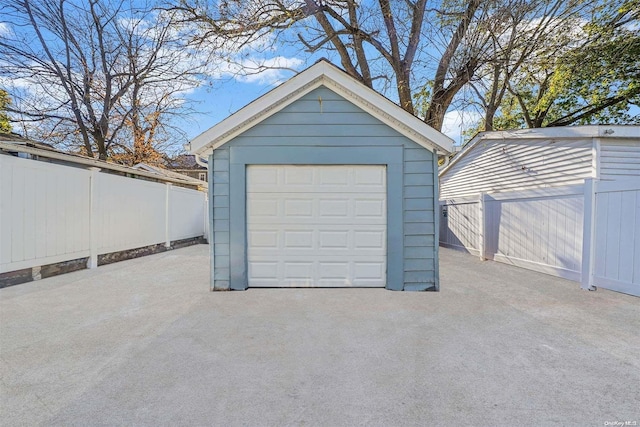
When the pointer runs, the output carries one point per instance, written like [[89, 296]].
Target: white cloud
[[456, 122], [257, 70], [272, 71], [5, 29]]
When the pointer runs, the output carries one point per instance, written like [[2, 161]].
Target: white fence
[[612, 220], [543, 230], [52, 213]]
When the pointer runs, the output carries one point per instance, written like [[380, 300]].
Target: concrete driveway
[[143, 342]]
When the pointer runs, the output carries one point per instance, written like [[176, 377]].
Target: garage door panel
[[344, 208], [317, 273], [298, 270], [316, 225], [370, 177], [262, 209], [302, 239], [369, 239], [334, 239], [367, 270], [317, 179], [294, 176], [359, 239], [369, 208], [264, 239], [263, 270], [302, 207], [334, 208]]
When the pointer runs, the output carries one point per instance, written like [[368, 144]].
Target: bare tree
[[426, 51], [402, 44], [90, 72], [374, 41]]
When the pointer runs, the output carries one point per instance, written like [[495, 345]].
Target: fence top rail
[[93, 163], [568, 190], [464, 200], [618, 185], [534, 193]]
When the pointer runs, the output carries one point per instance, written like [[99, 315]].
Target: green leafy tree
[[594, 81], [5, 124], [425, 54]]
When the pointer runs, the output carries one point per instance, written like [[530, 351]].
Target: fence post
[[167, 212], [482, 227], [205, 226], [588, 234], [92, 262]]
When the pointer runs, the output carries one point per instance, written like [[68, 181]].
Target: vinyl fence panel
[[51, 213], [542, 232], [536, 229], [186, 213], [616, 244], [43, 213], [460, 224], [131, 213]]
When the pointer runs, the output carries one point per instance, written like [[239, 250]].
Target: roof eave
[[322, 73]]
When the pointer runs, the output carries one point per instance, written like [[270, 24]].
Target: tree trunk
[[435, 114], [488, 117], [404, 90]]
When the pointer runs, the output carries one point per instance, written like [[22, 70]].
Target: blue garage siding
[[325, 119], [220, 206]]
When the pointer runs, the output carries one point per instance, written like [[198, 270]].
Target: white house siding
[[518, 164], [619, 158]]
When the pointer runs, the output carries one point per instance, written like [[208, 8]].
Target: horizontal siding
[[511, 165], [619, 159], [419, 217], [220, 193]]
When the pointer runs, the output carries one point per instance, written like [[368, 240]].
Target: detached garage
[[562, 201], [322, 182]]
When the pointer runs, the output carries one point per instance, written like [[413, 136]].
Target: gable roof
[[565, 132], [325, 74]]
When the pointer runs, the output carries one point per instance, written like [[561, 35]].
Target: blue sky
[[230, 91], [229, 95]]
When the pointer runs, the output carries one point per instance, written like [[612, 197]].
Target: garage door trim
[[240, 157]]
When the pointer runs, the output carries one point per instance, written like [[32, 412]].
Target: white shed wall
[[619, 158], [493, 166]]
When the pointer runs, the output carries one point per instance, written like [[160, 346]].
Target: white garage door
[[316, 225]]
